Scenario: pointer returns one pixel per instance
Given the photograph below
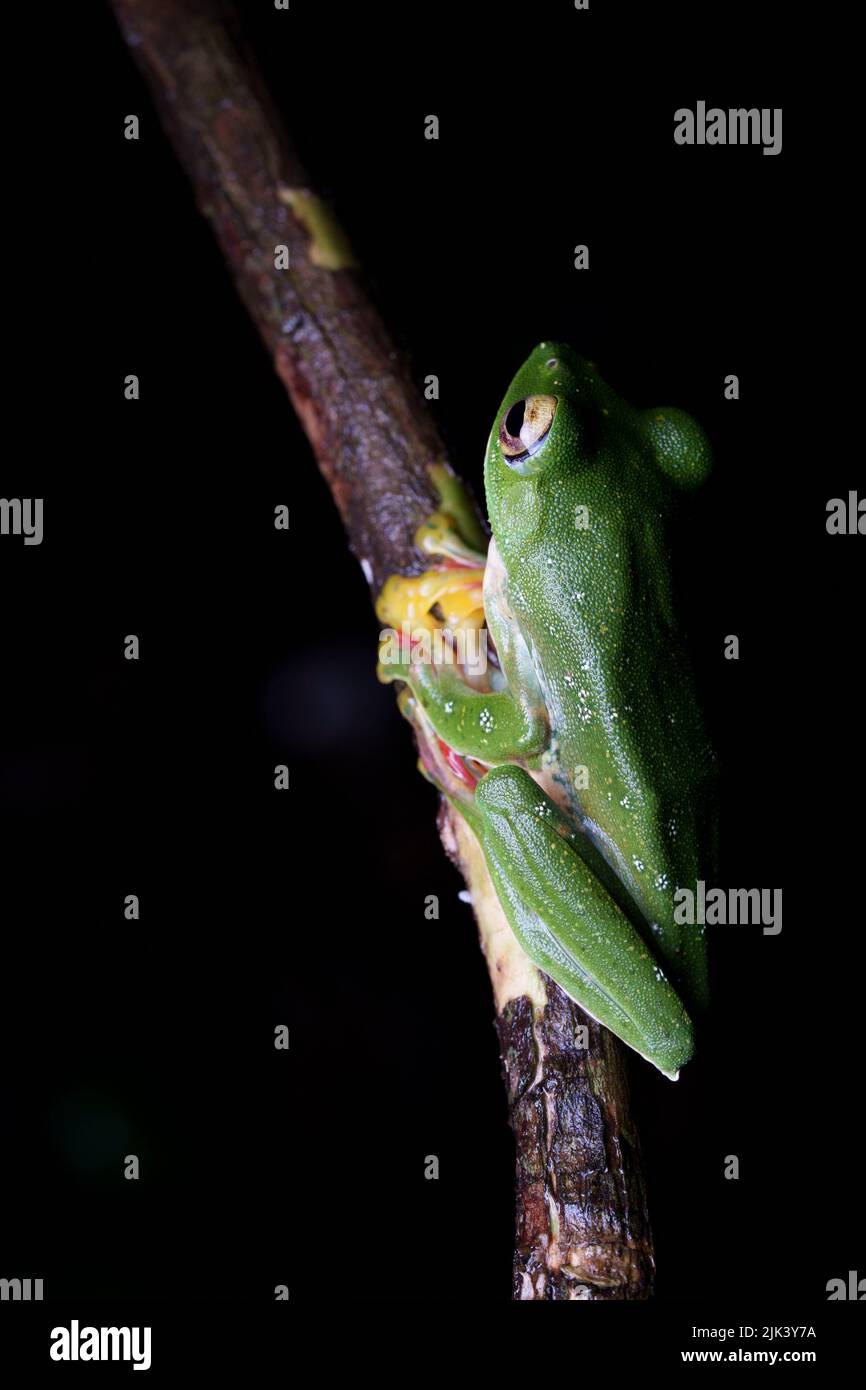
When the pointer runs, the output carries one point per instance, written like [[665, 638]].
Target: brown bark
[[582, 1228]]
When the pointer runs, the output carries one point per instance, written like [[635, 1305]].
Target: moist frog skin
[[579, 757]]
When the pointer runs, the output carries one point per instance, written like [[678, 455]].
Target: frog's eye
[[525, 424]]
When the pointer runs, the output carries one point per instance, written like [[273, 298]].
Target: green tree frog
[[577, 755]]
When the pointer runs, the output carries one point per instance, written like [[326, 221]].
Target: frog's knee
[[508, 789], [679, 445]]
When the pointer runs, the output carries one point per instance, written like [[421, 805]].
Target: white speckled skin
[[598, 775], [579, 527]]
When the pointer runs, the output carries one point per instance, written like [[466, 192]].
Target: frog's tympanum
[[573, 744]]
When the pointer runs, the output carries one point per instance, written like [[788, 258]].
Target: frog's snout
[[551, 356]]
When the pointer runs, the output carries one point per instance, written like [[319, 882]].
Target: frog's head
[[559, 419], [539, 422]]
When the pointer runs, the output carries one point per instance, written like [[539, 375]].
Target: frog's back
[[583, 535]]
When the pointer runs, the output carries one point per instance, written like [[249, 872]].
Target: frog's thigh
[[490, 726], [569, 925]]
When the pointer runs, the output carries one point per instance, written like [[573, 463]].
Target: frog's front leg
[[490, 726], [436, 643]]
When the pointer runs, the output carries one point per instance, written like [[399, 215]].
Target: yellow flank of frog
[[454, 591]]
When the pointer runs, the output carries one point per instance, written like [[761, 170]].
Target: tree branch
[[582, 1230]]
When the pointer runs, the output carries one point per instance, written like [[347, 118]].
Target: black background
[[258, 647]]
